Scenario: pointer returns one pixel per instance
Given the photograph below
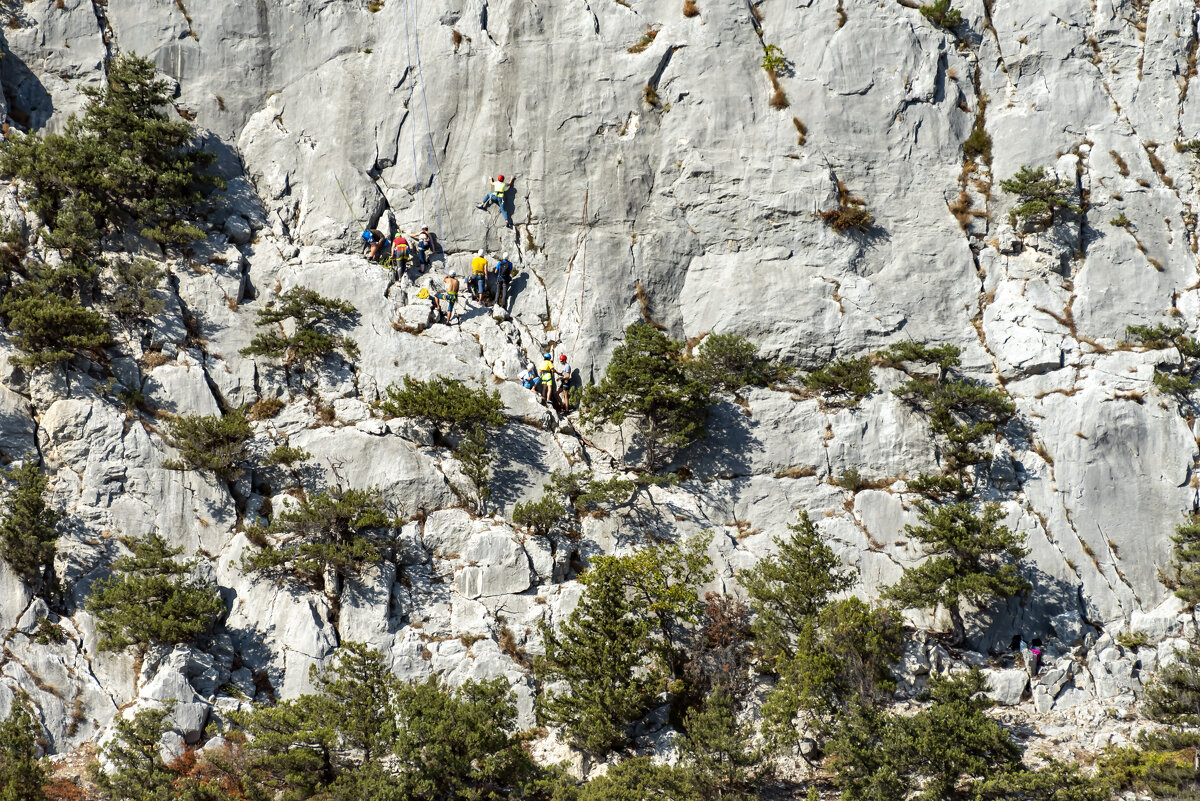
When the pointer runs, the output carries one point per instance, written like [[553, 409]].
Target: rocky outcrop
[[660, 184]]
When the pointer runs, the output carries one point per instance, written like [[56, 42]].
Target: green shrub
[[313, 320], [48, 633], [973, 558], [773, 60], [215, 443], [1181, 378], [647, 380], [445, 402], [151, 598], [124, 159], [943, 750], [1039, 197], [1185, 562], [940, 488], [898, 354], [475, 455], [22, 774], [978, 145], [50, 326], [28, 526], [136, 299], [623, 643], [588, 495], [336, 531], [941, 14], [1161, 765], [287, 455], [639, 779], [718, 750], [847, 379], [539, 517], [731, 361]]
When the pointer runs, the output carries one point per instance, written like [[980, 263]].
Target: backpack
[[400, 247], [504, 268]]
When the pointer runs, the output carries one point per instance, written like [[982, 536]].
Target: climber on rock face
[[499, 188], [562, 372], [450, 295], [546, 376], [400, 251], [427, 246], [529, 379], [504, 272], [373, 242], [478, 282]]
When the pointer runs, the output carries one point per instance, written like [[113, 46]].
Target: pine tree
[[138, 772], [1174, 695], [361, 697], [972, 558], [459, 743], [151, 598], [22, 773], [313, 322], [597, 653], [448, 403], [647, 381], [49, 323], [325, 538], [28, 526], [1187, 560], [715, 746], [640, 779], [213, 442], [790, 588], [124, 159]]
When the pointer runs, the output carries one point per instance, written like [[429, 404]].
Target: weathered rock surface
[[696, 211]]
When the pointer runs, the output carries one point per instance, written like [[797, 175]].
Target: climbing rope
[[412, 118], [433, 167], [581, 250]]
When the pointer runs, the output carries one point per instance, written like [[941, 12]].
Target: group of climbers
[[375, 244], [551, 382]]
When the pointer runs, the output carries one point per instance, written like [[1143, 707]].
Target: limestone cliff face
[[663, 183]]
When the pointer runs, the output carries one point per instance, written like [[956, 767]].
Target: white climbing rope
[[412, 118], [433, 166]]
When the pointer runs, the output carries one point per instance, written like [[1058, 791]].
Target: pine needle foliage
[[338, 531], [152, 598], [314, 322], [48, 321], [731, 362], [125, 161], [1186, 561], [1039, 196], [22, 773], [845, 381], [446, 402], [941, 14], [1174, 695], [972, 558], [216, 443], [622, 644], [138, 770], [647, 381], [28, 526]]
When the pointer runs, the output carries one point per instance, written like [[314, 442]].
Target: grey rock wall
[[697, 210]]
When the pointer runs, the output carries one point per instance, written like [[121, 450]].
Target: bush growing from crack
[[647, 380], [49, 322], [847, 379], [730, 361], [135, 298], [151, 598], [941, 14], [446, 402], [331, 535], [215, 443], [1039, 197], [315, 321], [962, 412], [22, 774], [1180, 378], [124, 160]]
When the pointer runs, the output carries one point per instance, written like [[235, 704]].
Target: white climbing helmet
[[480, 253], [453, 273]]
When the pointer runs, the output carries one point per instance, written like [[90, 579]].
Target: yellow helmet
[[423, 294]]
